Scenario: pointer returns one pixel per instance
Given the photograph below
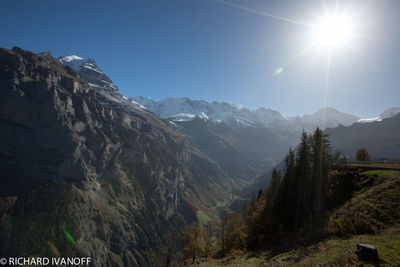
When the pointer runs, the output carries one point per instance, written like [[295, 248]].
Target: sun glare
[[332, 32]]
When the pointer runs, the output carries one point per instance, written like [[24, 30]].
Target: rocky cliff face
[[79, 160]]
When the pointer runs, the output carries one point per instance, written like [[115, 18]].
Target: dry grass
[[331, 252], [376, 206], [372, 215]]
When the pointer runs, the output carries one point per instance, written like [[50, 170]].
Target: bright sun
[[332, 32]]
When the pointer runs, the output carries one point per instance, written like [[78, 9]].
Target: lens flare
[[69, 236], [278, 71]]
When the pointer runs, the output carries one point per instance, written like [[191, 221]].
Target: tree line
[[295, 200]]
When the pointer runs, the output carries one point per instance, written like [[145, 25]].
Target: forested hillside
[[314, 201]]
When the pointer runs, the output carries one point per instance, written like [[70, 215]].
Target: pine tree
[[320, 170], [271, 197], [287, 195], [303, 182], [296, 200]]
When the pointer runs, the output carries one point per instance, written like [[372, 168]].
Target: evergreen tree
[[296, 200], [255, 221], [320, 170], [286, 199], [260, 194], [271, 197], [303, 183]]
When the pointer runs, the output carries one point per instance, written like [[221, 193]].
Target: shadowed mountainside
[[380, 138], [90, 163]]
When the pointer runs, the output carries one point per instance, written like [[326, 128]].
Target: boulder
[[367, 252]]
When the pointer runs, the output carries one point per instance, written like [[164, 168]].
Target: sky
[[248, 53]]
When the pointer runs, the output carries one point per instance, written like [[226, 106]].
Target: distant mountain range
[[243, 142], [186, 109], [120, 174], [381, 138]]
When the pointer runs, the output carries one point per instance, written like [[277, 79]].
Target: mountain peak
[[74, 62], [87, 68], [327, 110], [70, 58]]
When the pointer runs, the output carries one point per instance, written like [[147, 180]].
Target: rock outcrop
[[90, 162]]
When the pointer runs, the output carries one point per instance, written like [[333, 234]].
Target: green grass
[[222, 204], [382, 173], [202, 217]]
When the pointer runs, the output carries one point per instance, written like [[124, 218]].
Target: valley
[[87, 171]]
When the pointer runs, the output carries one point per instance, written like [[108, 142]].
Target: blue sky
[[211, 50]]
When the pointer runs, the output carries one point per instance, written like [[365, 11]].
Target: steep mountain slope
[[76, 157], [242, 152], [88, 69], [380, 138]]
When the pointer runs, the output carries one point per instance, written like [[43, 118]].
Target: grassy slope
[[372, 215], [331, 252]]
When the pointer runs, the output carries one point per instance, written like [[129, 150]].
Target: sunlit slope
[[364, 207]]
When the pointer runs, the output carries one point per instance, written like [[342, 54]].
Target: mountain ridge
[[185, 109], [85, 159]]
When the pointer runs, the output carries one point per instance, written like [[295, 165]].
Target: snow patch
[[92, 68], [140, 105], [368, 120], [70, 58], [203, 116], [94, 85], [182, 117], [74, 62]]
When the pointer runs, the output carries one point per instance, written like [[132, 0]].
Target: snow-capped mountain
[[98, 80], [185, 109], [388, 113], [88, 68]]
